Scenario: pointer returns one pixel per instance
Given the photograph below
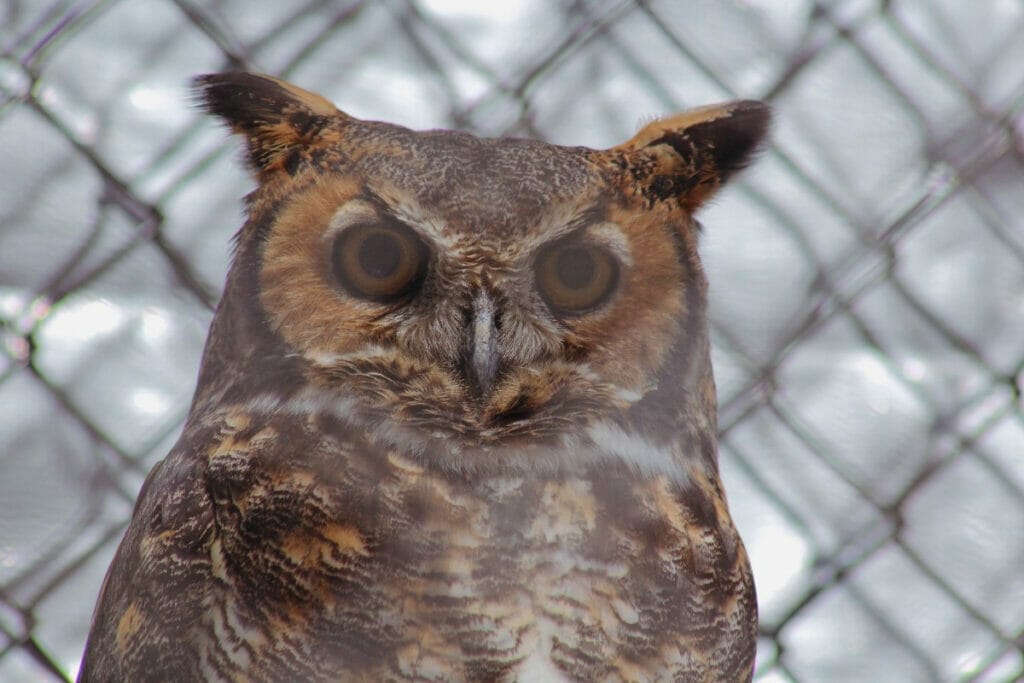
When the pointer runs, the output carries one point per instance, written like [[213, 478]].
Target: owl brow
[[587, 217], [378, 202], [573, 228], [595, 213], [413, 219]]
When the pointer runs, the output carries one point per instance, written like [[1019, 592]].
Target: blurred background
[[867, 278]]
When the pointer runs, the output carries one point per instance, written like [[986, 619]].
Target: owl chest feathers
[[349, 554]]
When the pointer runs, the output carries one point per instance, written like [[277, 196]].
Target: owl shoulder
[[154, 590]]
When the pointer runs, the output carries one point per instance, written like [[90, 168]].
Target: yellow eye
[[575, 278], [380, 261]]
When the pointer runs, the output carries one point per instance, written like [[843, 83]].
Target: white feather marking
[[611, 236], [539, 668], [350, 213], [645, 458], [263, 404], [601, 442], [631, 396], [406, 209]]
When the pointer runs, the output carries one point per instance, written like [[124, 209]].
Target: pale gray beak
[[482, 343]]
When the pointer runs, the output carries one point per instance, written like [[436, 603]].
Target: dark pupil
[[379, 255], [575, 268]]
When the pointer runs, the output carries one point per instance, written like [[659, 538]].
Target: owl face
[[492, 294]]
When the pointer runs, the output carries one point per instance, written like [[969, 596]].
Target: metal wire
[[867, 279]]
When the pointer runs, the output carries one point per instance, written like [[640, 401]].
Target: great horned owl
[[455, 418]]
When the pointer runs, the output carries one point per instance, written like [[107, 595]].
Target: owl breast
[[502, 578]]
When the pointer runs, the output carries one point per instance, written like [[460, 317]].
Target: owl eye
[[380, 261], [575, 278]]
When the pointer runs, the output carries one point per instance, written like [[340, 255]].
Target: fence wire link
[[867, 279]]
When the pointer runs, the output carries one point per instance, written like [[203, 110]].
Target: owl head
[[476, 303]]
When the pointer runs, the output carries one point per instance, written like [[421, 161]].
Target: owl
[[455, 418]]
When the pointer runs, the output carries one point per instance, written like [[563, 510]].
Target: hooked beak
[[481, 353]]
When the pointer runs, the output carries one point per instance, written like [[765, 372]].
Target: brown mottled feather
[[351, 501]]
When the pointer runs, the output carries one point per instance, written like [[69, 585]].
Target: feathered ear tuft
[[275, 117], [691, 155]]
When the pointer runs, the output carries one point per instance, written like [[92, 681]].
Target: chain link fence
[[867, 279]]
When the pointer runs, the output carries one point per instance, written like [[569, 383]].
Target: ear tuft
[[694, 153], [730, 141], [276, 117]]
